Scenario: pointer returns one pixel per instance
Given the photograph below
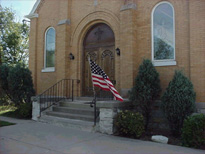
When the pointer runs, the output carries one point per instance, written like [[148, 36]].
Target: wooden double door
[[99, 46]]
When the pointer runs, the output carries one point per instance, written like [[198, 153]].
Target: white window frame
[[47, 69], [164, 62]]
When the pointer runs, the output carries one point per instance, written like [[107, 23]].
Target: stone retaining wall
[[108, 111]]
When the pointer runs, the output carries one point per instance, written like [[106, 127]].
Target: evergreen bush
[[4, 72], [16, 82], [130, 123], [178, 101], [20, 84], [193, 131], [25, 110], [4, 94], [146, 89]]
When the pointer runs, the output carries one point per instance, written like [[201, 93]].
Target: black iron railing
[[64, 89]]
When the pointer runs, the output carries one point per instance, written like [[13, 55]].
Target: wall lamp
[[71, 56], [118, 51]]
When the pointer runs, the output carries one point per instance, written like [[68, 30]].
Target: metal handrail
[[63, 89]]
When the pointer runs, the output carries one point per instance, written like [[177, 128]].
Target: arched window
[[163, 34], [49, 57]]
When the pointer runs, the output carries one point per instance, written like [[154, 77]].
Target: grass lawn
[[14, 112], [8, 111], [5, 123]]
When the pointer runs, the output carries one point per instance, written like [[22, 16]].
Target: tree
[[146, 89], [13, 38], [178, 102]]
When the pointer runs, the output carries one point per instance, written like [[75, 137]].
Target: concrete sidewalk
[[30, 137]]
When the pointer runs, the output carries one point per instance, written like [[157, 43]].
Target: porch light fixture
[[71, 56], [118, 51]]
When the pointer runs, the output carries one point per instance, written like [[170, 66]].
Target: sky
[[21, 7]]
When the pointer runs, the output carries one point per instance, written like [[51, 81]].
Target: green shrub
[[16, 82], [130, 123], [193, 131], [178, 102], [4, 72], [146, 89], [24, 111], [4, 100], [20, 84]]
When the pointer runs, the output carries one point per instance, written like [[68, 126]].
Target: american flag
[[100, 79]]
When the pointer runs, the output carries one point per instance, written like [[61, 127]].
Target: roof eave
[[30, 16], [35, 7]]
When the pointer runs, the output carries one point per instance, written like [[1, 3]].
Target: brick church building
[[118, 35]]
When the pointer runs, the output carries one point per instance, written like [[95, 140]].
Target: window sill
[[164, 63], [49, 69]]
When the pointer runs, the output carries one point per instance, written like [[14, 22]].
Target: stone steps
[[71, 116], [68, 123], [76, 104], [76, 114], [80, 115], [89, 112]]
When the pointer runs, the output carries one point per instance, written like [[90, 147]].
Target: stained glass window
[[50, 48], [163, 41]]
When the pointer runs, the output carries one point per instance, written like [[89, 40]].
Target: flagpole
[[94, 100]]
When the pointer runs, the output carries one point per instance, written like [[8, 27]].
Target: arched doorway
[[99, 45]]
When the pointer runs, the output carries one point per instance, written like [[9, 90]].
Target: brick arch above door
[[91, 19]]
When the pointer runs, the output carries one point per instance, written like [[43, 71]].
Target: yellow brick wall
[[197, 47], [32, 50], [48, 17], [132, 30], [143, 37]]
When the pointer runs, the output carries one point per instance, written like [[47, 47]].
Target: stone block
[[160, 139], [107, 113], [35, 108], [106, 122], [128, 7], [107, 129]]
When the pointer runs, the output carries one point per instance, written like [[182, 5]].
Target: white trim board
[[32, 14]]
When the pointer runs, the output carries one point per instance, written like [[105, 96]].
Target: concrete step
[[79, 111], [84, 99], [68, 123], [91, 98], [76, 104], [71, 116]]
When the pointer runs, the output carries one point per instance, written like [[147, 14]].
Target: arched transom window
[[163, 34], [50, 39]]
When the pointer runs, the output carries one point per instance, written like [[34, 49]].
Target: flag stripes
[[100, 79]]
